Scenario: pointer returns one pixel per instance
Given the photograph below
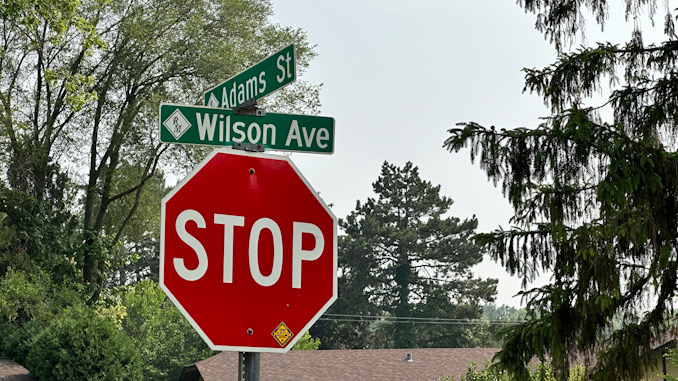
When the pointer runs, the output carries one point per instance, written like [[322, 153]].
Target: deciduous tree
[[80, 83]]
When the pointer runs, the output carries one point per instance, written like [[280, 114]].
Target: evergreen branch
[[578, 74]]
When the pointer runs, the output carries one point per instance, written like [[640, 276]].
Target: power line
[[415, 320]]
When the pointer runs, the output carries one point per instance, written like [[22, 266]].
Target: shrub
[[80, 344], [163, 337], [541, 372], [18, 342]]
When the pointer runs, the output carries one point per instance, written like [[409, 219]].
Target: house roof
[[11, 371], [356, 364]]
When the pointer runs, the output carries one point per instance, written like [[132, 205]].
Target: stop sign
[[248, 251]]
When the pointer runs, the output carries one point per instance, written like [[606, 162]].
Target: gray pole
[[248, 366]]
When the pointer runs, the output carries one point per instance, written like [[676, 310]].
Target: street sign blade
[[265, 77], [221, 127]]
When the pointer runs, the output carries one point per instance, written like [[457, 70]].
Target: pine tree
[[403, 257], [596, 203]]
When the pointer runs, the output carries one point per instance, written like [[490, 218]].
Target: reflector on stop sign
[[248, 251]]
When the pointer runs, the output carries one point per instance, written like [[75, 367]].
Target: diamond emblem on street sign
[[177, 124], [282, 334], [213, 102]]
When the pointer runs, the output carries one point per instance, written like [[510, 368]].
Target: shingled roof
[[342, 365], [11, 371]]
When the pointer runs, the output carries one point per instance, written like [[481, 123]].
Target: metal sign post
[[248, 366], [220, 209]]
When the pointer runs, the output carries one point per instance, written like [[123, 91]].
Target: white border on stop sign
[[321, 311]]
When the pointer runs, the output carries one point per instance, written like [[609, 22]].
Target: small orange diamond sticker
[[282, 334]]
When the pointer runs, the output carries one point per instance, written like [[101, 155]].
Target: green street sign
[[259, 80], [221, 127]]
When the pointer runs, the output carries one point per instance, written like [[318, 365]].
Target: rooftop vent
[[409, 357]]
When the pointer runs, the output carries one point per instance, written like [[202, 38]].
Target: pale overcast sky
[[397, 74]]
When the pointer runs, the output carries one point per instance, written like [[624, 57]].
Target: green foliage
[[351, 334], [30, 14], [594, 202], [80, 82], [136, 256], [671, 358], [35, 235], [493, 312], [403, 257], [540, 372], [18, 342], [163, 337], [28, 303], [23, 297], [486, 374], [306, 343], [79, 345], [500, 318]]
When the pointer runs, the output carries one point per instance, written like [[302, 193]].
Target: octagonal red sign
[[248, 251]]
